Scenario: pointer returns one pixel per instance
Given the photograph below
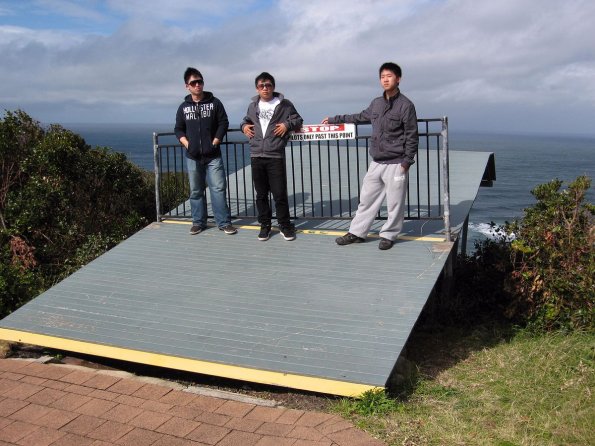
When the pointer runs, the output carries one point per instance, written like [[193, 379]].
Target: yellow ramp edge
[[309, 383]]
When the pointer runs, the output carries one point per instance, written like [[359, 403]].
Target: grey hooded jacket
[[394, 128], [269, 145]]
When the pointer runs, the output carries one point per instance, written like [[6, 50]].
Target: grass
[[523, 390]]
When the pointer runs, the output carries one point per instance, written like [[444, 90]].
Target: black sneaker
[[288, 233], [385, 244], [228, 229], [348, 239], [195, 229], [265, 233]]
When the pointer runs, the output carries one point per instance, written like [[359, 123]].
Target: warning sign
[[323, 132]]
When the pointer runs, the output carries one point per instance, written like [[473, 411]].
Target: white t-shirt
[[265, 112]]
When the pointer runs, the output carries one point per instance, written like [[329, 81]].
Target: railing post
[[157, 176], [445, 179]]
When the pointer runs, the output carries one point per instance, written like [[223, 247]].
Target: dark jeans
[[269, 175]]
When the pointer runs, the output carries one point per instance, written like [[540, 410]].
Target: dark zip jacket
[[269, 145], [394, 128], [201, 122]]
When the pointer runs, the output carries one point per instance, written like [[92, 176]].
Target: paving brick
[[139, 437], [126, 386], [16, 430], [354, 437], [31, 413], [70, 401], [10, 406], [150, 420], [234, 409], [43, 436], [178, 398], [243, 424], [46, 396], [58, 385], [83, 424], [122, 413], [5, 422], [22, 391], [215, 419], [33, 380], [312, 419], [6, 385], [179, 427], [110, 431], [13, 376], [261, 413], [207, 433], [100, 381], [151, 392], [275, 429], [185, 412], [77, 377], [129, 400], [334, 425], [57, 418], [103, 395], [314, 443], [78, 389], [275, 441], [156, 406], [96, 407], [207, 403], [44, 371], [168, 440], [101, 443], [305, 433], [289, 416], [12, 364], [237, 438], [73, 440]]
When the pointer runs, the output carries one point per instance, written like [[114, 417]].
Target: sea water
[[522, 162]]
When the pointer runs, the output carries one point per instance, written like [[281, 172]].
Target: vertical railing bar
[[330, 189], [340, 178], [445, 182]]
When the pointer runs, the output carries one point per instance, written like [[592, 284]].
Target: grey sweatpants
[[381, 180]]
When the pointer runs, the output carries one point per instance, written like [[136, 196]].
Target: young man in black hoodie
[[269, 119], [201, 123]]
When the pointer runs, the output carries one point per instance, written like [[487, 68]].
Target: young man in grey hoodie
[[393, 148], [269, 119]]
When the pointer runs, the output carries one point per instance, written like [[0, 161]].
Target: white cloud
[[459, 57]]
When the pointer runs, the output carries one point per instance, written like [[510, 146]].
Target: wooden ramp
[[307, 314]]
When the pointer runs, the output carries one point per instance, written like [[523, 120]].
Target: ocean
[[522, 162]]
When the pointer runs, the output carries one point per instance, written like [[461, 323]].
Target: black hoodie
[[201, 122]]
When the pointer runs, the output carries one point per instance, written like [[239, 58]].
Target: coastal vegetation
[[62, 203]]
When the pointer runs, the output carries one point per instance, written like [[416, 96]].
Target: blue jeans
[[213, 175]]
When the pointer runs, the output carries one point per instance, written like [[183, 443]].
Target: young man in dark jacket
[[201, 123], [267, 124], [393, 148]]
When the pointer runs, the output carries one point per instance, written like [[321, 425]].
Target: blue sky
[[507, 66]]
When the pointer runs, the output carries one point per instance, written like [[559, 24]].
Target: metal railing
[[324, 178]]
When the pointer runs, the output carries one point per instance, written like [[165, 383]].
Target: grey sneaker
[[348, 239], [195, 229], [265, 233], [385, 244], [228, 229], [288, 233]]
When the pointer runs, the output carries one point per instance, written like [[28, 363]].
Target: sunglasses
[[263, 86], [196, 82]]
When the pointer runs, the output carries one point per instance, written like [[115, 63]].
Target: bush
[[553, 257], [537, 271], [62, 203]]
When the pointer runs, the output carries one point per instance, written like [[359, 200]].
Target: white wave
[[490, 231]]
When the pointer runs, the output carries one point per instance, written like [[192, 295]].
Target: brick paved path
[[62, 405]]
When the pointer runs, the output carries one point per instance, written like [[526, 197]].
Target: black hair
[[390, 66], [264, 76], [191, 72]]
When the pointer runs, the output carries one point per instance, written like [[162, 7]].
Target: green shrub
[[553, 257], [62, 203]]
